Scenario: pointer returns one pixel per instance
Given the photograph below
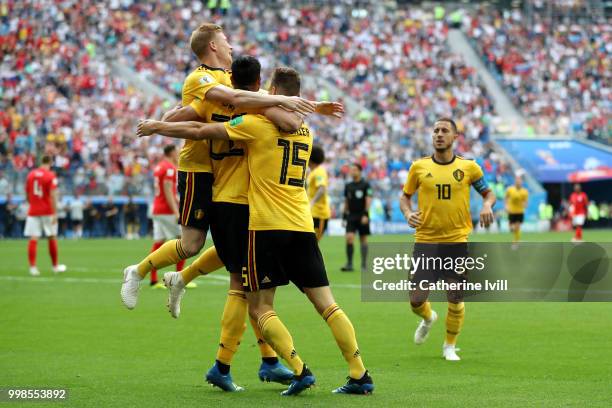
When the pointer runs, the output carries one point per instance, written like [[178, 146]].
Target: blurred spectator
[[110, 212], [131, 214], [77, 207]]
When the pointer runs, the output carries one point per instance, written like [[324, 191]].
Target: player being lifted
[[209, 82], [442, 221], [317, 183], [516, 202], [357, 200], [165, 205], [282, 245], [41, 193]]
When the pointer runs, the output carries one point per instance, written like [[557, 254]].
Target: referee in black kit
[[357, 200]]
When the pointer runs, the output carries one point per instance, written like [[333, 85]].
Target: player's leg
[[578, 221], [418, 297], [350, 248], [50, 229], [456, 308], [363, 238], [309, 274], [33, 230]]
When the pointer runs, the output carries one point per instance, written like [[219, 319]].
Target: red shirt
[[164, 171], [39, 184], [579, 201]]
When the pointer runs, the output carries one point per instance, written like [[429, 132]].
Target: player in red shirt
[[578, 211], [165, 206], [41, 192]]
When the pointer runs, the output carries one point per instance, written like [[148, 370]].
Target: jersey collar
[[212, 68], [443, 164]]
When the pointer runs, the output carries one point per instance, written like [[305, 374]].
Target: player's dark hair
[[246, 71], [46, 159], [317, 156], [358, 166], [287, 81], [449, 120], [168, 149]]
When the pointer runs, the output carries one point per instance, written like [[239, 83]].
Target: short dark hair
[[358, 166], [449, 120], [317, 156], [287, 81], [168, 149], [246, 71], [46, 159]]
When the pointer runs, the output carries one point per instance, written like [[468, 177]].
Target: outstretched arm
[[255, 100], [182, 130]]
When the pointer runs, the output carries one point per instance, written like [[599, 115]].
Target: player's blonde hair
[[202, 36]]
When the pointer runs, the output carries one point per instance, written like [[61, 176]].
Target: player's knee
[[416, 305], [191, 247]]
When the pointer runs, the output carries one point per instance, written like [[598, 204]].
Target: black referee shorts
[[229, 227], [275, 258], [353, 224], [195, 195]]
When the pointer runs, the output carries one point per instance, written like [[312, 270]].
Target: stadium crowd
[[59, 94], [557, 72]]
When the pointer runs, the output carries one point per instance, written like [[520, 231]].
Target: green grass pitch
[[72, 331]]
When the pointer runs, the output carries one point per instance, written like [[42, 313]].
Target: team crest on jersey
[[458, 174]]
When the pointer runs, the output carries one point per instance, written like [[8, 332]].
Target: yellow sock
[[517, 235], [232, 325], [206, 263], [277, 335], [424, 310], [344, 333], [454, 321], [265, 349], [169, 253]]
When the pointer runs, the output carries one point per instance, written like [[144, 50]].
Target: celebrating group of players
[[241, 174]]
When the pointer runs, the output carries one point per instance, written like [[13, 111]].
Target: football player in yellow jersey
[[442, 221], [516, 202], [317, 183], [282, 244], [210, 81]]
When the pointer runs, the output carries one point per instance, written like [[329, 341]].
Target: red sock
[[579, 232], [180, 265], [53, 251], [155, 247], [32, 252]]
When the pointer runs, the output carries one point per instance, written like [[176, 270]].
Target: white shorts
[[165, 227], [578, 220], [37, 226]]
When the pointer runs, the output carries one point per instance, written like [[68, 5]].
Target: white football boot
[[449, 352], [176, 289], [130, 286], [59, 268], [422, 331], [34, 271]]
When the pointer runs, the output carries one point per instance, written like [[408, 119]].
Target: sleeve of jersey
[[205, 83], [54, 183], [242, 128], [369, 191], [411, 184], [199, 106], [479, 182]]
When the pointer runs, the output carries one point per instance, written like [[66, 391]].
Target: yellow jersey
[[228, 158], [444, 197], [516, 199], [194, 156], [318, 178], [277, 164]]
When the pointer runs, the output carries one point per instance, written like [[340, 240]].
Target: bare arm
[[169, 196], [183, 130], [413, 217], [180, 114], [318, 195], [285, 120], [255, 100], [54, 204], [486, 214], [170, 112]]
